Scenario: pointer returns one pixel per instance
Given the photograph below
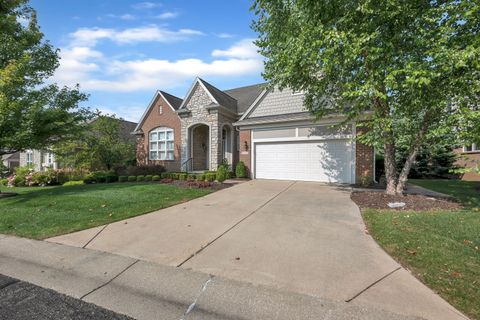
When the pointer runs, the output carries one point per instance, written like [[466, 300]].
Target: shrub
[[111, 177], [156, 178], [191, 177], [222, 173], [210, 177], [164, 175], [45, 178], [201, 177], [182, 176], [241, 170], [140, 170], [365, 181], [148, 177], [132, 178], [97, 177], [4, 182], [140, 178], [73, 183], [69, 175], [122, 178]]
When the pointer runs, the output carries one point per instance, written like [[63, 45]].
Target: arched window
[[162, 144]]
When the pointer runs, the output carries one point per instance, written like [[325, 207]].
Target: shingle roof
[[175, 102], [222, 98], [245, 96]]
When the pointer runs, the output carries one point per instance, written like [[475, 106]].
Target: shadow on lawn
[[70, 190]]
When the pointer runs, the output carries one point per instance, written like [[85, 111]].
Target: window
[[162, 143], [160, 109], [29, 157], [472, 147]]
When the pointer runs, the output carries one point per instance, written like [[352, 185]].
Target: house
[[469, 157], [11, 161], [268, 129], [42, 160]]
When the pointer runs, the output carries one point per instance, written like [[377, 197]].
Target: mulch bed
[[189, 184], [380, 200]]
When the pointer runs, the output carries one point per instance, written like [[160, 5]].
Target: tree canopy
[[412, 65], [33, 113]]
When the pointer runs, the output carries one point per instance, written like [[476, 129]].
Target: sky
[[120, 52]]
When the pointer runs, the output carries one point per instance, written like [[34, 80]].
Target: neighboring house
[[469, 157], [42, 160], [11, 161], [268, 129]]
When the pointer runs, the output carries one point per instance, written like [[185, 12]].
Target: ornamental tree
[[33, 114], [408, 66]]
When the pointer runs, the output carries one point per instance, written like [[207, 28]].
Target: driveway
[[296, 236]]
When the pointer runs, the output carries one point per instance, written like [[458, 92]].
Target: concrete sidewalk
[[145, 290]]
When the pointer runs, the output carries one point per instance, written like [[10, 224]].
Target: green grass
[[465, 191], [49, 211], [441, 248]]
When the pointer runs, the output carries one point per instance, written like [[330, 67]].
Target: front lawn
[[42, 212], [442, 248]]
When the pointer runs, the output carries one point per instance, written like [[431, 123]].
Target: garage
[[320, 160]]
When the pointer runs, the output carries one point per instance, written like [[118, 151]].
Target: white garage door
[[325, 161]]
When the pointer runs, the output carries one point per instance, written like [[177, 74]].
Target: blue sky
[[120, 52]]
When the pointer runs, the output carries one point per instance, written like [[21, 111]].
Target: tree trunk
[[390, 168], [402, 178]]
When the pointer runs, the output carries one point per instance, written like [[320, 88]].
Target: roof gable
[[172, 101]]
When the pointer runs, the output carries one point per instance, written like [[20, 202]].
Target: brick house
[[469, 157], [268, 129]]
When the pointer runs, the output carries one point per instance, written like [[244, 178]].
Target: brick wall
[[468, 160], [245, 151], [364, 159], [153, 120]]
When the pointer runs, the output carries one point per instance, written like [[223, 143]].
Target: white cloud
[[98, 73], [151, 33], [243, 50], [224, 35], [126, 16], [146, 5], [127, 112], [167, 15]]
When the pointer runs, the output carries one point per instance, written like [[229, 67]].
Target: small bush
[[4, 182], [111, 177], [140, 178], [73, 183], [140, 170], [69, 175], [164, 175], [365, 181], [191, 177], [148, 177], [210, 177], [201, 177], [156, 178], [241, 170], [132, 178], [122, 179], [182, 176], [222, 173]]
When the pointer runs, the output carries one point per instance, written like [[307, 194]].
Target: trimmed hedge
[[148, 177], [132, 178], [210, 177], [241, 170], [140, 178], [156, 178], [122, 179], [73, 183]]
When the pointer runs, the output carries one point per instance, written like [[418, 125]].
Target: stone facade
[[154, 119], [41, 160], [199, 114]]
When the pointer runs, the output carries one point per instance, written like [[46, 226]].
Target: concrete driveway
[[296, 236]]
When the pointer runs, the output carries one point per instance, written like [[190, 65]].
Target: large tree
[[104, 144], [409, 66], [33, 114]]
